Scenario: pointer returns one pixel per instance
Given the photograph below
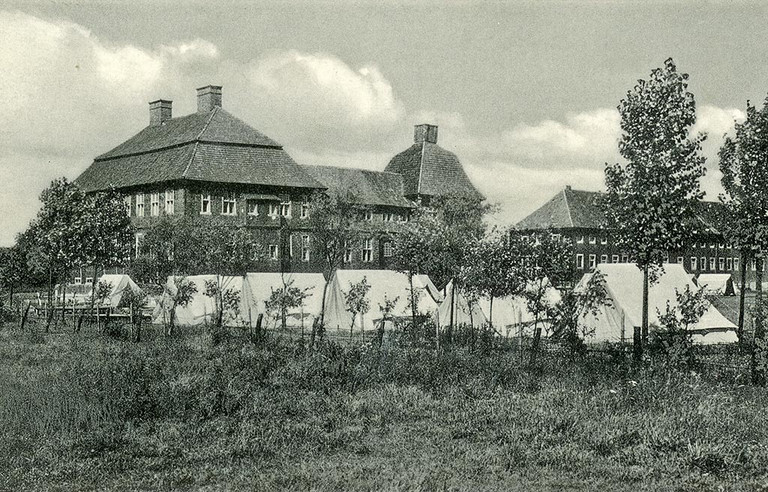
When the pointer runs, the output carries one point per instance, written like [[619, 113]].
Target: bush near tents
[[624, 284]]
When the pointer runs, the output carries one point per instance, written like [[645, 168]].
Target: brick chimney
[[208, 97], [424, 133], [159, 112]]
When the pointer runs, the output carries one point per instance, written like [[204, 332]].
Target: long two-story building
[[578, 216]]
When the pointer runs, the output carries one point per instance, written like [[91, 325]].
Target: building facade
[[212, 164], [578, 216]]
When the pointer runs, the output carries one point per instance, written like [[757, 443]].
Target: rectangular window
[[305, 210], [592, 240], [285, 209], [712, 263], [139, 239], [368, 215], [694, 263], [273, 210], [721, 264], [403, 217], [702, 263], [388, 217], [205, 204], [736, 264], [127, 201], [170, 200], [592, 260], [367, 251], [603, 258], [614, 258], [680, 260], [140, 205], [88, 280], [290, 245], [154, 204], [253, 208], [729, 264], [347, 252], [387, 249], [305, 248], [721, 245], [604, 240], [712, 245], [273, 252], [580, 261], [625, 258], [580, 240], [229, 205]]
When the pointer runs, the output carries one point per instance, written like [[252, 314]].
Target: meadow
[[211, 411]]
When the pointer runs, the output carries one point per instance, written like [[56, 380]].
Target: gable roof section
[[428, 169], [581, 209], [370, 187], [212, 146]]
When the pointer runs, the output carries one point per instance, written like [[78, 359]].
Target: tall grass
[[99, 412]]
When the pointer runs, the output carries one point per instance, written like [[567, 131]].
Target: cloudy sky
[[524, 92]]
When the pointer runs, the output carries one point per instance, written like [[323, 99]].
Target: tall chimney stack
[[208, 97], [159, 112], [425, 133]]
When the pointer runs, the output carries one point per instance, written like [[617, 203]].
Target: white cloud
[[319, 99], [593, 134]]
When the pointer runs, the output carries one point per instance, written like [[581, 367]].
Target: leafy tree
[[226, 299], [744, 165], [335, 221], [573, 306], [356, 300], [674, 336], [283, 299], [13, 270], [180, 295], [546, 263], [650, 198]]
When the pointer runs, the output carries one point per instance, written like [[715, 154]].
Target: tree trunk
[[322, 306], [536, 339], [24, 316], [742, 295], [413, 301], [93, 298], [490, 314], [758, 353], [453, 306], [642, 335], [49, 311]]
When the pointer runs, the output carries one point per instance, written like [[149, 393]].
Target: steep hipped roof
[[569, 208], [430, 170], [368, 187], [581, 209], [205, 146]]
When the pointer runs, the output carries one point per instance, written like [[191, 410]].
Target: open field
[[93, 412]]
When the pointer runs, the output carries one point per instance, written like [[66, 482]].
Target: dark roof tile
[[369, 187]]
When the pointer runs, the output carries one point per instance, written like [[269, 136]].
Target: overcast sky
[[524, 92]]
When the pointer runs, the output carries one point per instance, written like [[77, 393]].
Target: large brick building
[[211, 164], [578, 216]]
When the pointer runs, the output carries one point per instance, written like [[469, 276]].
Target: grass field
[[92, 412]]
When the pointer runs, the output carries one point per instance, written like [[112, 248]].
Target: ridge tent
[[463, 314], [201, 309], [258, 287], [431, 288], [716, 283], [120, 283], [510, 314], [624, 285], [385, 284]]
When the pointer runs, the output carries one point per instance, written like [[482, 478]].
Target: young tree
[[548, 262], [180, 294], [356, 299], [649, 203], [744, 164], [573, 306], [283, 299], [335, 222]]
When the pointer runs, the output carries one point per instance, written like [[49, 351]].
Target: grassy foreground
[[96, 413]]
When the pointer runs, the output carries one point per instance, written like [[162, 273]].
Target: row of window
[[715, 264], [604, 240], [154, 204]]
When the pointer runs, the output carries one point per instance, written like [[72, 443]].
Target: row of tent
[[613, 322]]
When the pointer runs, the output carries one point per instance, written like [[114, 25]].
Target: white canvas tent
[[511, 315], [258, 287], [201, 309], [120, 283], [624, 284], [385, 285], [717, 283], [431, 288], [463, 313]]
